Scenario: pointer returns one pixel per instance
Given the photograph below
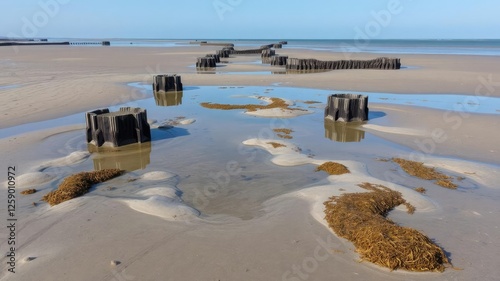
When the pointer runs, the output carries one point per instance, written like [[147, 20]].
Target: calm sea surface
[[487, 47]]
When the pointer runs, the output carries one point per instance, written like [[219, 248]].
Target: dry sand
[[156, 236]]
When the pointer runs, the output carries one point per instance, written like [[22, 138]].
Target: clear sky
[[251, 19]]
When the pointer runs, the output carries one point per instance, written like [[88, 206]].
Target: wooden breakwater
[[216, 44], [347, 107], [46, 43], [279, 60], [265, 53], [215, 56], [378, 63], [114, 129], [166, 83], [206, 62]]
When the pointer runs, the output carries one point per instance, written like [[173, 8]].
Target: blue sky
[[251, 19]]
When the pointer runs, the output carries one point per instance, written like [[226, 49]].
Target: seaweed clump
[[333, 168], [78, 184], [284, 133], [275, 103], [417, 169], [276, 144], [361, 219], [28, 191]]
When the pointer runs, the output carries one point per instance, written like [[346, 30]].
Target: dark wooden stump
[[167, 83], [205, 62], [216, 57], [224, 53], [347, 107], [283, 42], [277, 46], [114, 129], [279, 60], [106, 43]]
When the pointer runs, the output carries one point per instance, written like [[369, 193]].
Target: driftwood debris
[[167, 83], [347, 107], [378, 63], [114, 129]]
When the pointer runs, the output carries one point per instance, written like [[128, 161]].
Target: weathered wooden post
[[106, 43], [277, 46], [114, 129], [279, 60], [167, 83], [347, 107], [206, 62]]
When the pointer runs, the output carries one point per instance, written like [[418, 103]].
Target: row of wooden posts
[[130, 125]]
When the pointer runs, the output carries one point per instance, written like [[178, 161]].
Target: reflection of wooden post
[[167, 83], [126, 126], [168, 98], [347, 107], [342, 132], [130, 158]]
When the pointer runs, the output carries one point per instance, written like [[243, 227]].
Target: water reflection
[[129, 157], [168, 98], [343, 132]]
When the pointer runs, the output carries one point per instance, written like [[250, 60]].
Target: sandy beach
[[211, 199]]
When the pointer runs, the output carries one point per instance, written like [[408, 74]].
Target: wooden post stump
[[279, 60], [205, 62], [277, 46], [167, 83], [347, 107], [106, 43], [224, 53], [114, 129], [378, 63]]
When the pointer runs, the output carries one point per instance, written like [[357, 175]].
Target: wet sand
[[215, 201]]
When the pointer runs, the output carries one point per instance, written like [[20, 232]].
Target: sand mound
[[361, 218], [157, 176], [79, 184], [71, 159], [34, 179], [187, 121], [162, 202]]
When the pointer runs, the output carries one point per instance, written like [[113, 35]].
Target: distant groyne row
[[46, 43]]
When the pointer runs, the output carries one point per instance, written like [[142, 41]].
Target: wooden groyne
[[267, 53], [31, 43], [215, 56], [279, 60], [378, 63], [216, 44], [114, 129], [44, 42], [206, 62], [347, 107], [167, 83]]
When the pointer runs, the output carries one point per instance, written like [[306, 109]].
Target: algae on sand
[[333, 168], [417, 169], [361, 219], [78, 184]]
